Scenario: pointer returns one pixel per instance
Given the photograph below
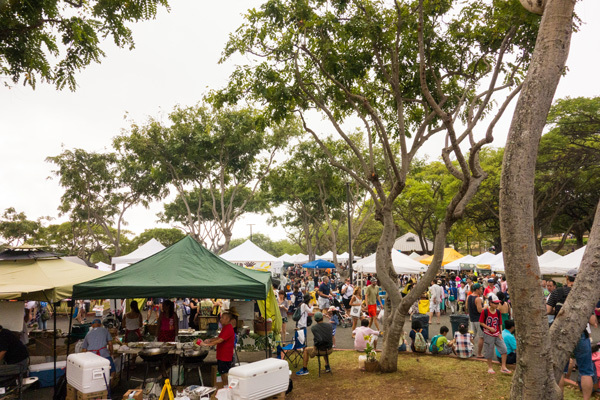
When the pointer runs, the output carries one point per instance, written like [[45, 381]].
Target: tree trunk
[[533, 378], [581, 302], [387, 278]]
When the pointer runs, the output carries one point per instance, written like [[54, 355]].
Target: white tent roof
[[103, 266], [548, 256], [403, 264], [300, 259], [249, 252], [455, 265], [146, 250], [286, 257], [410, 242], [564, 264], [327, 256], [414, 255]]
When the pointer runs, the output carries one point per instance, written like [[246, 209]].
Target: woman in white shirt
[[462, 297], [306, 311]]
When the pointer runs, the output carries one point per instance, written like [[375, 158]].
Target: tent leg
[[267, 347], [54, 346], [70, 326]]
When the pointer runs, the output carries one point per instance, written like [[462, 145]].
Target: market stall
[[186, 269], [250, 254], [449, 256]]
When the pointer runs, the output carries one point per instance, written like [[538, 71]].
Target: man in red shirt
[[225, 343], [491, 323]]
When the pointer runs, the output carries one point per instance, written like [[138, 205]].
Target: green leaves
[[30, 32]]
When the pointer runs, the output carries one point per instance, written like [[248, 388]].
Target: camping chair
[[11, 374], [293, 351]]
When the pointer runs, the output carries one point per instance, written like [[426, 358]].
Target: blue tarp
[[319, 264]]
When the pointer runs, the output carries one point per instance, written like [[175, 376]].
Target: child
[[418, 344], [440, 344], [333, 320], [491, 323], [462, 344]]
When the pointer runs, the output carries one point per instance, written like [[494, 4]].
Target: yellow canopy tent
[[49, 280], [449, 256]]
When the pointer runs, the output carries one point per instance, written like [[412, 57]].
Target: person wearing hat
[[371, 298], [474, 308], [436, 295], [225, 343], [583, 349], [323, 344], [99, 341], [491, 323]]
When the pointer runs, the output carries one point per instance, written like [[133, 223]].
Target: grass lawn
[[418, 376]]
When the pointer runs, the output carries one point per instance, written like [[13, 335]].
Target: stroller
[[344, 319]]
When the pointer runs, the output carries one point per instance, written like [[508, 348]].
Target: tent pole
[[54, 346], [267, 348], [72, 303]]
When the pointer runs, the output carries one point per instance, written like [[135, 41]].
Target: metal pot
[[194, 356], [153, 354]]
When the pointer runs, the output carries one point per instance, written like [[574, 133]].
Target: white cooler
[[88, 372], [259, 379]]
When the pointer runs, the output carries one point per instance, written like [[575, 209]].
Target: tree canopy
[[52, 40]]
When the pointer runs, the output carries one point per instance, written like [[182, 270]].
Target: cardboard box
[[71, 393], [137, 394], [92, 396]]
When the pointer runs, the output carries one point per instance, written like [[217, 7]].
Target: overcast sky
[[174, 62]]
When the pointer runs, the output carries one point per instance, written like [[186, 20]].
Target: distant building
[[409, 242]]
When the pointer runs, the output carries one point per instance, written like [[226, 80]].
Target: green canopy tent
[[185, 269]]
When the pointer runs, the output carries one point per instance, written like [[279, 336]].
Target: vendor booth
[[250, 255], [319, 264], [402, 263], [563, 264], [146, 250], [449, 256]]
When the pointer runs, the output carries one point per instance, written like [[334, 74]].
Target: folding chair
[[293, 351]]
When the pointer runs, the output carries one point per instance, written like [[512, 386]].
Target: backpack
[[433, 348], [297, 314], [420, 343]]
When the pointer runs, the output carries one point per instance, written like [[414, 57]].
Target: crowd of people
[[488, 331]]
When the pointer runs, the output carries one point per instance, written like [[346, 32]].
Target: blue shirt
[[97, 340], [509, 341], [323, 288]]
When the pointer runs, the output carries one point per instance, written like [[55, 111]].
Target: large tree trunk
[[534, 378], [396, 313], [580, 304], [387, 278]]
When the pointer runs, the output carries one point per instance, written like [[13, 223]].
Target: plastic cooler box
[[45, 372], [259, 379], [88, 372]]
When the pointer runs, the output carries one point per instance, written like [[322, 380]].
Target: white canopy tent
[[248, 252], [150, 248], [103, 266], [455, 265], [480, 259], [414, 255], [300, 259], [548, 256], [286, 258], [402, 263], [564, 264]]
